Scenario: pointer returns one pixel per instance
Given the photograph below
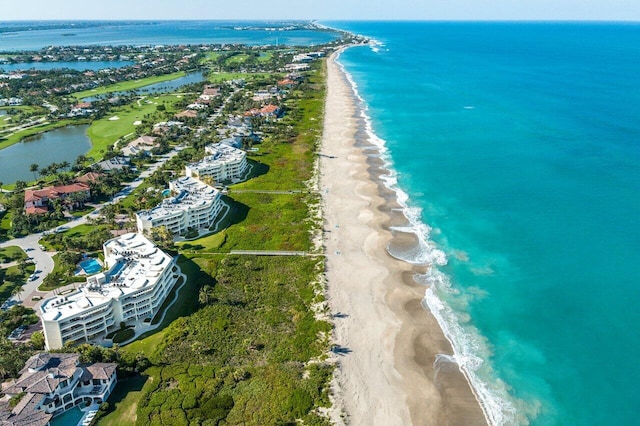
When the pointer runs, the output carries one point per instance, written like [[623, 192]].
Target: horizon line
[[311, 20]]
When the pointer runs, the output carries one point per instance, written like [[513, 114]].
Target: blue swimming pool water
[[68, 418], [90, 266]]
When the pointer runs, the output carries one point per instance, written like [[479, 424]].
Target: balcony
[[96, 390]]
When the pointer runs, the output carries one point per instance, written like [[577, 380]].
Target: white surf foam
[[469, 347]]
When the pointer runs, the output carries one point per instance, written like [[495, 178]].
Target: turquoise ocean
[[515, 148]]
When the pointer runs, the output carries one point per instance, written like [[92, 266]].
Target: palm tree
[[34, 169], [65, 165], [16, 292]]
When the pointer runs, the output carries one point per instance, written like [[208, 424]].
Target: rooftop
[[135, 263], [188, 193], [219, 153]]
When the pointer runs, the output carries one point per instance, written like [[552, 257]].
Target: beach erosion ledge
[[388, 348]]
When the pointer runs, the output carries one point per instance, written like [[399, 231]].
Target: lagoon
[[64, 144], [34, 35], [77, 66], [162, 87]]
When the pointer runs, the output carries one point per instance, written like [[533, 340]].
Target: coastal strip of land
[[385, 343]]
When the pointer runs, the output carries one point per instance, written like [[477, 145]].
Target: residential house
[[36, 201], [144, 144], [115, 163], [50, 384]]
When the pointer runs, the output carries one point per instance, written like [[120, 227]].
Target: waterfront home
[[36, 201], [50, 384], [193, 205], [138, 279], [223, 163]]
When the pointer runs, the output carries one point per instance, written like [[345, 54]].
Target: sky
[[323, 10]]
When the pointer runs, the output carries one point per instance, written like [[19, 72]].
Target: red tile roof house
[[266, 111], [37, 201], [83, 105]]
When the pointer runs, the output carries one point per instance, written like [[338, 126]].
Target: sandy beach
[[385, 343]]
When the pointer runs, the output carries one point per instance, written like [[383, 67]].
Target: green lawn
[[124, 402], [5, 225], [106, 132], [11, 253], [211, 56], [238, 59], [11, 278], [265, 56], [128, 85], [217, 77]]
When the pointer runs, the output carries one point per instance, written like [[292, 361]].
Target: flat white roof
[[136, 263], [188, 193], [219, 154]]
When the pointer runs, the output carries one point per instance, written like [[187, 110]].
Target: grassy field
[[211, 56], [124, 402], [106, 132], [11, 254], [238, 59], [265, 56], [269, 222], [217, 77], [128, 85], [5, 225], [12, 278]]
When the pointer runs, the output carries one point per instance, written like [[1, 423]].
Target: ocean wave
[[470, 348]]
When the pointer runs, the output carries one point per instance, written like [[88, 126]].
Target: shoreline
[[394, 363]]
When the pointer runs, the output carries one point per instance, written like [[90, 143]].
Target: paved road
[[42, 259]]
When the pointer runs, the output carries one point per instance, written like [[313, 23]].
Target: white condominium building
[[222, 163], [138, 279], [194, 205]]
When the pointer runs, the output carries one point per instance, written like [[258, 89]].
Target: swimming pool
[[90, 266], [68, 418], [166, 192]]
